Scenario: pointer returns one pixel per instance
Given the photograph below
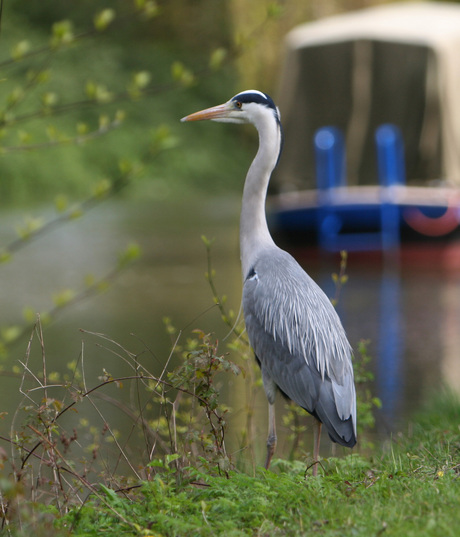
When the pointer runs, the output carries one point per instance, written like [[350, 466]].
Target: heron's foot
[[271, 446]]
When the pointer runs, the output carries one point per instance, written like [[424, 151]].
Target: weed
[[62, 443]]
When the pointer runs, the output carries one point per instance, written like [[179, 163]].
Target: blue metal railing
[[330, 156]]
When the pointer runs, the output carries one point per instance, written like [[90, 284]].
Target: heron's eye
[[238, 104]]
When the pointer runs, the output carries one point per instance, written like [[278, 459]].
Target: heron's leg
[[270, 391], [271, 440], [317, 440]]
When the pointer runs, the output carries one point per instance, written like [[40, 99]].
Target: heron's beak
[[216, 112]]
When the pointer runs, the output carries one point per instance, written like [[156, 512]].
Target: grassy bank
[[408, 489]]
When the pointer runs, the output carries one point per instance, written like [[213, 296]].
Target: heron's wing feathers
[[300, 342]]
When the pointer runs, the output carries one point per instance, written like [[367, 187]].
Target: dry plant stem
[[210, 413], [140, 407], [53, 454], [238, 332], [82, 362], [122, 452], [170, 355], [49, 435], [341, 278]]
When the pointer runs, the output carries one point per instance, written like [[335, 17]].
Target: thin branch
[[76, 140], [341, 278], [217, 298], [67, 216], [92, 290], [122, 18]]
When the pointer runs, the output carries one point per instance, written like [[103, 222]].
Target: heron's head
[[246, 107]]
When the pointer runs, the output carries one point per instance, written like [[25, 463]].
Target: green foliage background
[[109, 60]]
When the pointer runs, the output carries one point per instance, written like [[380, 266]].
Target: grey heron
[[294, 330]]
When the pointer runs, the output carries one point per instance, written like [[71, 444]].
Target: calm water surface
[[410, 314]]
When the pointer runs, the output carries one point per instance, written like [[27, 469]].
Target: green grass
[[410, 489]]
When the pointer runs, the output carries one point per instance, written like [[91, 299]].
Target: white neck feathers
[[254, 234]]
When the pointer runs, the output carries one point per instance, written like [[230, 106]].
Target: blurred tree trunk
[[198, 23]]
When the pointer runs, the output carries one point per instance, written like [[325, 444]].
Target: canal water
[[409, 313]]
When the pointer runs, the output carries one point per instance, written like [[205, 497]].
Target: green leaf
[[217, 58], [104, 122], [15, 96], [49, 99], [156, 463], [169, 458], [90, 280], [181, 74], [82, 128], [75, 213], [142, 79], [52, 133], [103, 19], [162, 139], [29, 314], [120, 116], [102, 188], [31, 226], [61, 203], [20, 50], [24, 137], [10, 333], [41, 77], [111, 494], [4, 256], [62, 298], [274, 10], [130, 254], [207, 242], [97, 92], [149, 8], [62, 33]]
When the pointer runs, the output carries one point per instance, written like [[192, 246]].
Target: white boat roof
[[356, 68], [424, 23]]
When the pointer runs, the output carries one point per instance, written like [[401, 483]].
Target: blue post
[[391, 171], [329, 147], [330, 157], [390, 155]]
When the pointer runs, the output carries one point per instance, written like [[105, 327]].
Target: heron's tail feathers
[[341, 430]]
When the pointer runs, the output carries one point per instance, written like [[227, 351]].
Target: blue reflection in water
[[389, 336], [390, 381]]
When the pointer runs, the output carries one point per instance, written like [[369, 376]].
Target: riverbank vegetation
[[410, 489], [67, 470]]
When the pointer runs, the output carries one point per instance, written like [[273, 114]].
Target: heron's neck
[[254, 234]]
